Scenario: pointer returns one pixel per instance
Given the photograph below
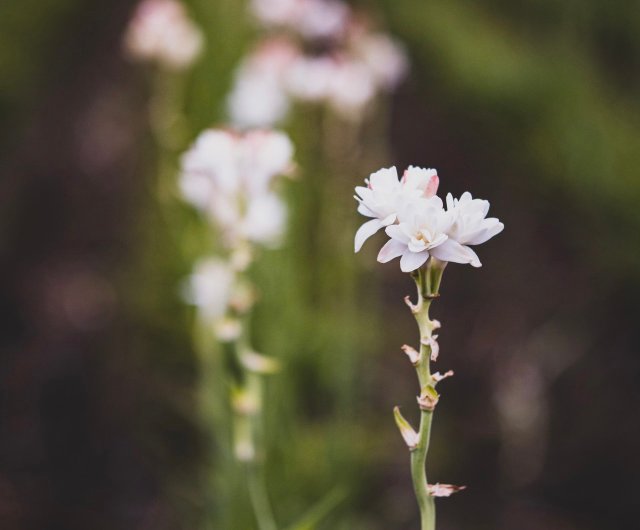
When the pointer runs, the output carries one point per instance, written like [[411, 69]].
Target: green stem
[[259, 497], [255, 469], [252, 385], [427, 283]]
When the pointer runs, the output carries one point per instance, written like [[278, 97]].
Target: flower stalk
[[247, 399], [425, 236], [428, 283]]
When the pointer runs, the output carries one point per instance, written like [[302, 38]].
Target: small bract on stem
[[426, 237]]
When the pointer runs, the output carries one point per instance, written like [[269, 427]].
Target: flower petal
[[396, 232], [392, 249], [364, 210], [411, 261], [384, 179], [490, 227], [453, 251], [366, 231]]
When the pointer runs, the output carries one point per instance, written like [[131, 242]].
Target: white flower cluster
[[230, 178], [161, 31], [312, 19], [417, 222], [356, 64]]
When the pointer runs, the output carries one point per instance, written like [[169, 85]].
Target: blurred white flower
[[322, 19], [161, 31], [230, 178], [385, 196], [352, 87], [418, 224], [272, 13], [384, 57], [210, 288], [309, 78], [257, 100], [312, 19], [265, 220], [264, 155], [258, 97]]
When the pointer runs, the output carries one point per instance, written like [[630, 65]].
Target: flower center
[[424, 236]]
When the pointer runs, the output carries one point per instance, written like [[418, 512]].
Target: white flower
[[322, 19], [425, 229], [417, 223], [384, 56], [210, 288], [313, 19], [259, 97], [385, 196], [265, 220], [275, 12], [417, 236], [309, 78], [352, 86], [263, 155], [160, 30], [468, 223], [229, 177], [257, 100]]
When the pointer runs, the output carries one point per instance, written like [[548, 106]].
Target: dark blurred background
[[532, 104]]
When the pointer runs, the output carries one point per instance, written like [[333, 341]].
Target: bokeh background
[[532, 104]]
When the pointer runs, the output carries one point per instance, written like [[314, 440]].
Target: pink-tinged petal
[[454, 252], [432, 187], [490, 227], [392, 249], [365, 232], [396, 232], [411, 261]]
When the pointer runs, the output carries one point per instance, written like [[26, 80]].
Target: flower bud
[[244, 402], [437, 377], [260, 364], [243, 445], [443, 490], [412, 353], [228, 329], [432, 342], [414, 308], [428, 398], [410, 436]]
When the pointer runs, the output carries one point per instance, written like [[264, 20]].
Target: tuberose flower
[[210, 287], [385, 196], [230, 177], [259, 97], [417, 223], [161, 31]]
